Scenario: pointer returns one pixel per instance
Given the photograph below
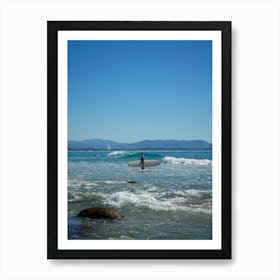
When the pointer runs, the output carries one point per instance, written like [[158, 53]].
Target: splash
[[187, 161]]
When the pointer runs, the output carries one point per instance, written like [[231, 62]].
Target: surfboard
[[147, 163]]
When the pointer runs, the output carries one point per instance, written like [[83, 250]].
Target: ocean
[[169, 201]]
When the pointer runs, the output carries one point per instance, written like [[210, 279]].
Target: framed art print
[[139, 140]]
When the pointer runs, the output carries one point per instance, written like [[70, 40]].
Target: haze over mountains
[[99, 144]]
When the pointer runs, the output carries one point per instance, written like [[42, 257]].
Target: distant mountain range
[[99, 144]]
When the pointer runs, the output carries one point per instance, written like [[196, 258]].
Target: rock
[[100, 213]]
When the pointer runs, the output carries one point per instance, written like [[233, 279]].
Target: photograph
[[139, 137]]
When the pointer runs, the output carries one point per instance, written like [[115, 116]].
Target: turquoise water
[[170, 201]]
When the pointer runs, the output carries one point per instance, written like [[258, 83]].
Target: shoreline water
[[169, 201]]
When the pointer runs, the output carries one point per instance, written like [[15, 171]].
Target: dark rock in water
[[100, 213], [132, 182]]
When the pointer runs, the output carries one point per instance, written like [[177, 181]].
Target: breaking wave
[[120, 154], [187, 161], [135, 154], [187, 200], [95, 183]]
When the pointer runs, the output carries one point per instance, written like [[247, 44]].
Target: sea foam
[[185, 200], [187, 161], [119, 153]]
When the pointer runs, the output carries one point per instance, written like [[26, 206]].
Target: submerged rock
[[100, 213]]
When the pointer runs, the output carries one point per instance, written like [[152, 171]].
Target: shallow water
[[170, 201]]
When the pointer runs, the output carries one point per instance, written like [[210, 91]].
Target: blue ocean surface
[[170, 201]]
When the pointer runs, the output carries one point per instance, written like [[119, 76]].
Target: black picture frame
[[53, 252]]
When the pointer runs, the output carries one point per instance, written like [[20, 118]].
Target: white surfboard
[[147, 163]]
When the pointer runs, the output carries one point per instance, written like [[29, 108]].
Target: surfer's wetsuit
[[142, 162]]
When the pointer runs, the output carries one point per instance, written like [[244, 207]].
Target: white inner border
[[63, 242]]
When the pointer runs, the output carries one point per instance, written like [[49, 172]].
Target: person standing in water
[[142, 162]]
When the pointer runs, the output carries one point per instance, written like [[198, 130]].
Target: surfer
[[142, 162]]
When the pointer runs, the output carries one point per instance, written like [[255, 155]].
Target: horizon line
[[125, 142]]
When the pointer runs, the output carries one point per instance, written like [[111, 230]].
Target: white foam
[[187, 161], [78, 184], [120, 199], [158, 200], [194, 193], [92, 184], [119, 153], [111, 182]]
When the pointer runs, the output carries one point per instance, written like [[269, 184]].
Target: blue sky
[[129, 91]]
